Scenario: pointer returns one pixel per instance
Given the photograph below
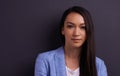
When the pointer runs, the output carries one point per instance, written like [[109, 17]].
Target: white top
[[71, 72]]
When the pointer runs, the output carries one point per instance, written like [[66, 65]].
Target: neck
[[72, 52], [72, 57]]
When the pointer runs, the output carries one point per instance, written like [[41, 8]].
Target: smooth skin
[[75, 36]]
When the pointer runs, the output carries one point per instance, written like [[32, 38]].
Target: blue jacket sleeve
[[102, 71], [40, 66]]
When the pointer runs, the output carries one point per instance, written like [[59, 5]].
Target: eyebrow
[[70, 23], [82, 24], [74, 24]]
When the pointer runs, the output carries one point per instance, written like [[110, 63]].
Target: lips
[[76, 40]]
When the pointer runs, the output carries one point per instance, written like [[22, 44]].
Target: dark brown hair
[[88, 58]]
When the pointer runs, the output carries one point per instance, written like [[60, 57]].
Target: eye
[[70, 25], [83, 27]]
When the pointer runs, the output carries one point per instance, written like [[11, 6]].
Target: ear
[[62, 31]]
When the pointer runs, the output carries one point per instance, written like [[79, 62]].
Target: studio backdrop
[[29, 27]]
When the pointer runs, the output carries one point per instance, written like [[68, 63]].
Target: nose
[[76, 31]]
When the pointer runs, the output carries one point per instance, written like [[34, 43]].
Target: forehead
[[74, 17]]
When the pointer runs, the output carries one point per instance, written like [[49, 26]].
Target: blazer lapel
[[60, 62]]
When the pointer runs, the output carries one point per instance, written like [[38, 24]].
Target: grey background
[[28, 27]]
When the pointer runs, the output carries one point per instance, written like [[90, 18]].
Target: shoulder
[[99, 63], [49, 55], [101, 67], [46, 55], [99, 60], [43, 61]]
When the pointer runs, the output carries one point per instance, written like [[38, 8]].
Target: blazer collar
[[60, 62]]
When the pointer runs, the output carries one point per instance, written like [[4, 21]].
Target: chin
[[77, 45]]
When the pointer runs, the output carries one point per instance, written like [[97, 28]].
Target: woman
[[77, 55]]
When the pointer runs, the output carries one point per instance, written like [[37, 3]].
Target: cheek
[[67, 35]]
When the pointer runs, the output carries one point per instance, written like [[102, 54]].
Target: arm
[[40, 66]]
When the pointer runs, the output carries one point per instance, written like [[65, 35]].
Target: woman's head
[[74, 30], [86, 22]]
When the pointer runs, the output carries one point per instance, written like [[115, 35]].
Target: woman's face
[[74, 30]]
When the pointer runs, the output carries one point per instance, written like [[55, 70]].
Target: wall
[[28, 27]]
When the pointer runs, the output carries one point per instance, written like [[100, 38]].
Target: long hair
[[88, 58]]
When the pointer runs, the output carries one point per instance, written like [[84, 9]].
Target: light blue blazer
[[52, 63]]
